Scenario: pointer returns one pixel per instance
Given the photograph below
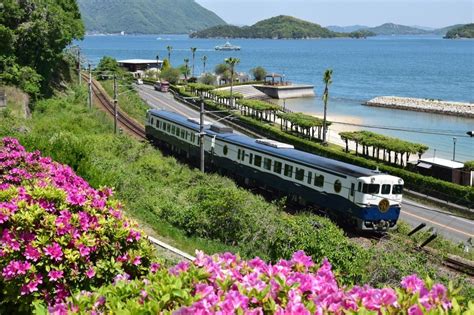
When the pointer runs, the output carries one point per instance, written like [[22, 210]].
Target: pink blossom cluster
[[58, 234], [297, 286]]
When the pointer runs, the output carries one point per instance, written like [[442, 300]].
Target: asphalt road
[[451, 227]]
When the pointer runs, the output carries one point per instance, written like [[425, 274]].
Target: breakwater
[[424, 105]]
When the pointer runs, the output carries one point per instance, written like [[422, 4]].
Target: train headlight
[[400, 181]]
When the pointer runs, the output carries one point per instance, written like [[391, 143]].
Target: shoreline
[[459, 109]]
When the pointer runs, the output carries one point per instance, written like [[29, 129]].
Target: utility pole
[[79, 64], [454, 148], [90, 87], [115, 104], [201, 133]]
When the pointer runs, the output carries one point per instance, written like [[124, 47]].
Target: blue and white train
[[364, 198]]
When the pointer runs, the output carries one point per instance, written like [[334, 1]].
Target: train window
[[337, 186], [250, 158], [187, 135], [177, 131], [257, 161], [157, 123], [173, 129], [386, 189], [352, 188], [267, 164], [243, 156], [151, 120], [319, 181], [225, 150], [299, 174], [370, 188], [193, 137], [238, 154], [183, 135], [397, 189], [277, 167], [310, 177], [288, 170], [359, 188], [168, 128]]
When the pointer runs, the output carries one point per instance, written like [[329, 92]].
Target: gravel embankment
[[424, 105]]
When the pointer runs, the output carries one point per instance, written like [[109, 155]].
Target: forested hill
[[279, 27], [465, 31], [396, 29], [146, 16]]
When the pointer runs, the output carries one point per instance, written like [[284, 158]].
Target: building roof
[[139, 61], [442, 162], [312, 160]]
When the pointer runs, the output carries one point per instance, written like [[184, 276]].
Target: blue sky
[[431, 13]]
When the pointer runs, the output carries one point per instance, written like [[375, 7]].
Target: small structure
[[275, 86], [275, 79], [444, 169], [138, 66]]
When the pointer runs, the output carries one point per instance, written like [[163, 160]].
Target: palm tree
[[204, 61], [327, 78], [232, 62], [193, 50], [186, 67], [169, 48]]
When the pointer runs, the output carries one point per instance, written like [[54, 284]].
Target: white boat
[[227, 46]]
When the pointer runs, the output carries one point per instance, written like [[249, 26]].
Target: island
[[464, 31], [279, 27]]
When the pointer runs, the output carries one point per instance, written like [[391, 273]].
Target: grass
[[17, 101]]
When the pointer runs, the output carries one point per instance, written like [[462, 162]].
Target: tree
[[232, 62], [170, 49], [204, 61], [166, 64], [186, 68], [171, 75], [259, 73], [107, 64], [34, 34], [193, 51], [327, 79], [208, 79]]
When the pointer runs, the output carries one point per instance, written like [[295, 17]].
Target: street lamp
[[454, 148]]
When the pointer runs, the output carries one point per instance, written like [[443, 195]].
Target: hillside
[[346, 29], [397, 29], [444, 30], [279, 27], [146, 16], [465, 31]]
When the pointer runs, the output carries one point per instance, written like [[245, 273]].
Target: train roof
[[287, 153]]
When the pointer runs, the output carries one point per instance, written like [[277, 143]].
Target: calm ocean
[[418, 66]]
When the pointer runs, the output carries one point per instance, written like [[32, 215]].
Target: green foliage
[[464, 31], [208, 79], [469, 165], [33, 37], [259, 73], [302, 120], [171, 75], [166, 65], [276, 27], [129, 101], [396, 29], [146, 16], [373, 139], [362, 34], [200, 87], [226, 94], [259, 105], [108, 66]]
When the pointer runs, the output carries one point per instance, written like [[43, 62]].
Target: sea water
[[408, 66]]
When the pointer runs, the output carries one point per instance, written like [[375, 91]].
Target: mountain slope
[[146, 16], [444, 30], [465, 31], [396, 29], [278, 27], [346, 29]]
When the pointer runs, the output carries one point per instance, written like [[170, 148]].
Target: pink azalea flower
[[55, 275], [90, 273], [415, 310], [54, 251], [137, 261], [413, 284], [154, 267], [32, 286], [133, 235], [300, 258], [32, 253], [15, 268]]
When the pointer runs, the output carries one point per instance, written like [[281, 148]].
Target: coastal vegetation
[[279, 27], [464, 31], [146, 16]]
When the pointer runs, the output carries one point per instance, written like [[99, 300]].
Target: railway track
[[129, 125]]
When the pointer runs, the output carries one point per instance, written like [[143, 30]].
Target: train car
[[364, 198]]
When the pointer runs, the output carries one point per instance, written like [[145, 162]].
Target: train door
[[352, 192]]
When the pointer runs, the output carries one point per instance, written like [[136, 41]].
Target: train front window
[[386, 189], [319, 181], [288, 170], [371, 188], [397, 189]]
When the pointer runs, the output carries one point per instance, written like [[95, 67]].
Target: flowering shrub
[[225, 284], [57, 234]]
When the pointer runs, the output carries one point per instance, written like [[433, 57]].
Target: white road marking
[[439, 224]]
